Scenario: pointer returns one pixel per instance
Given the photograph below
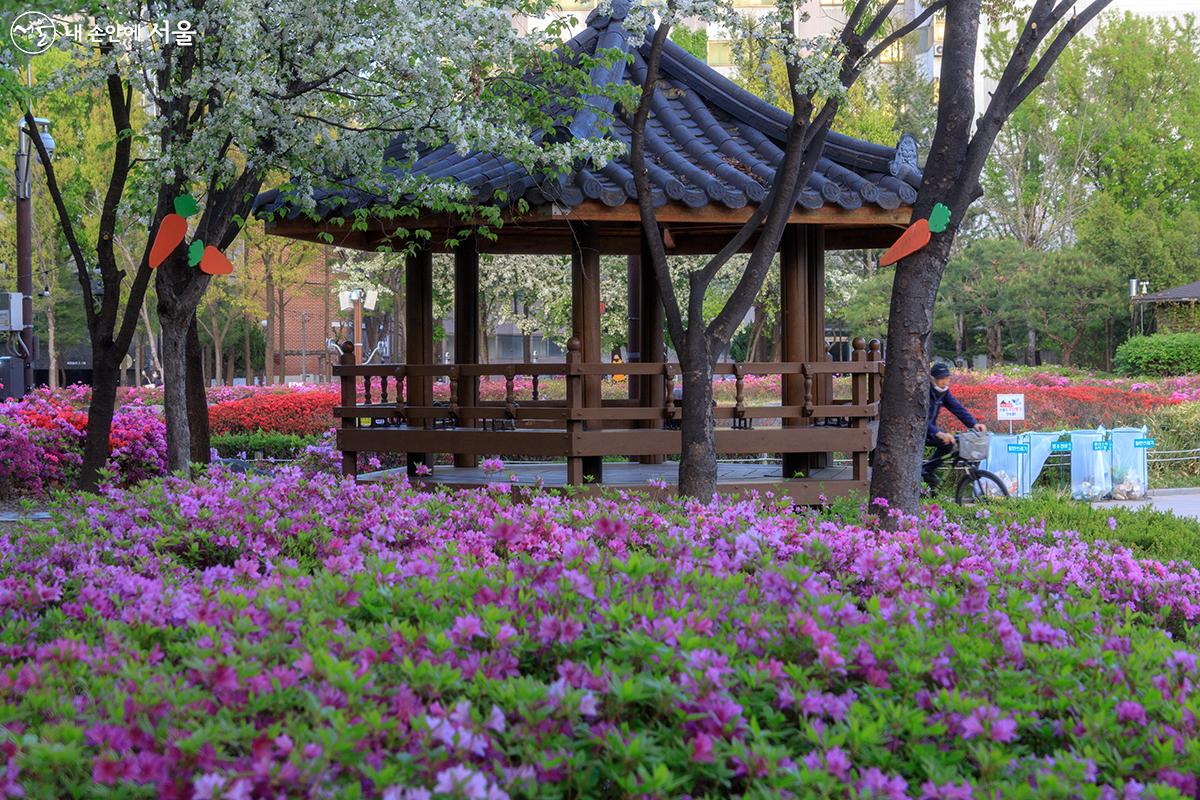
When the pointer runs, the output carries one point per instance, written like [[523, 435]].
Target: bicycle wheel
[[978, 486]]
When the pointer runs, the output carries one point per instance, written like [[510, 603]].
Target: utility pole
[[25, 227]]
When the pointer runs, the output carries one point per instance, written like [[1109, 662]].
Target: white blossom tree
[[312, 88]]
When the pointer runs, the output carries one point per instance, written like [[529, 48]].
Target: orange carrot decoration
[[912, 240], [214, 262], [917, 235], [171, 230]]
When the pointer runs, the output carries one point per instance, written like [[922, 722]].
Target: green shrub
[[1148, 533], [1161, 354], [270, 443], [1176, 428]]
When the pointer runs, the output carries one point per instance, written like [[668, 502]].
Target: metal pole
[[357, 337], [25, 254]]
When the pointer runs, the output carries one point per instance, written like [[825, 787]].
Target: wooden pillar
[[633, 339], [418, 328], [814, 258], [585, 318], [466, 330], [794, 330], [653, 347]]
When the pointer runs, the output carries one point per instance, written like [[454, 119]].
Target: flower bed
[[302, 413], [1049, 408], [42, 439], [240, 638]]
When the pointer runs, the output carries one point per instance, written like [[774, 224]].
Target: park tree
[[307, 88], [820, 72], [959, 151], [1133, 96]]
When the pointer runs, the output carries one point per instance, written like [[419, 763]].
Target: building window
[[720, 53], [939, 30]]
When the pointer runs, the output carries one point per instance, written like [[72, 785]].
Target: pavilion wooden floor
[[732, 478]]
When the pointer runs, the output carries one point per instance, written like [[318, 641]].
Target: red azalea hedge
[[1054, 407], [307, 413], [310, 412]]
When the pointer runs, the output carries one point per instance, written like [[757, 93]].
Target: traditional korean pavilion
[[713, 150]]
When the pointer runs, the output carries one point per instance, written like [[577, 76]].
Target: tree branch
[[64, 218], [900, 32], [651, 233]]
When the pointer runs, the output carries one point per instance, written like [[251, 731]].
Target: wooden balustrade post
[[349, 400], [574, 403]]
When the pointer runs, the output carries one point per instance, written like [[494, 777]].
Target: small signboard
[[1146, 443], [1018, 448], [1010, 406], [1102, 445], [1060, 447]]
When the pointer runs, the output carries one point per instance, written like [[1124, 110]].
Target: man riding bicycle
[[941, 441]]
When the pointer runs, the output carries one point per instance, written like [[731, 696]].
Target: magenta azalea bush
[[240, 637], [42, 438]]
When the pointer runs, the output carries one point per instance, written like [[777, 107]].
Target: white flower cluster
[[314, 89]]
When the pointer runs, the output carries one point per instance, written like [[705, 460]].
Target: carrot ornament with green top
[[917, 235], [171, 230]]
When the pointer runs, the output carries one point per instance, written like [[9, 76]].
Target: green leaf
[[939, 218], [185, 206], [195, 251]]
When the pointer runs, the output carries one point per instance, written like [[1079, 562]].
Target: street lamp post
[[25, 235]]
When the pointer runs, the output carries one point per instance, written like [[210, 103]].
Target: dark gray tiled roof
[[708, 142], [1189, 291]]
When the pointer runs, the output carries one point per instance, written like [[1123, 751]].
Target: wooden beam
[[443, 226], [466, 330]]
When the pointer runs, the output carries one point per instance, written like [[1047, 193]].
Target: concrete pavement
[[1180, 502]]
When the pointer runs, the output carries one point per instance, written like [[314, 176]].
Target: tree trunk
[[283, 342], [960, 334], [218, 348], [52, 344], [197, 400], [175, 391], [995, 342], [1031, 348], [105, 373], [752, 344], [246, 355], [905, 401], [698, 454], [1108, 349], [269, 358], [151, 340]]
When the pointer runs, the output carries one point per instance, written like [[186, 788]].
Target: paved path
[[1180, 502]]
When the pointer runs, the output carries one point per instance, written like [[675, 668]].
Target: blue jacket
[[939, 399]]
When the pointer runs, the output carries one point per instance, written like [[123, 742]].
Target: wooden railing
[[375, 414]]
